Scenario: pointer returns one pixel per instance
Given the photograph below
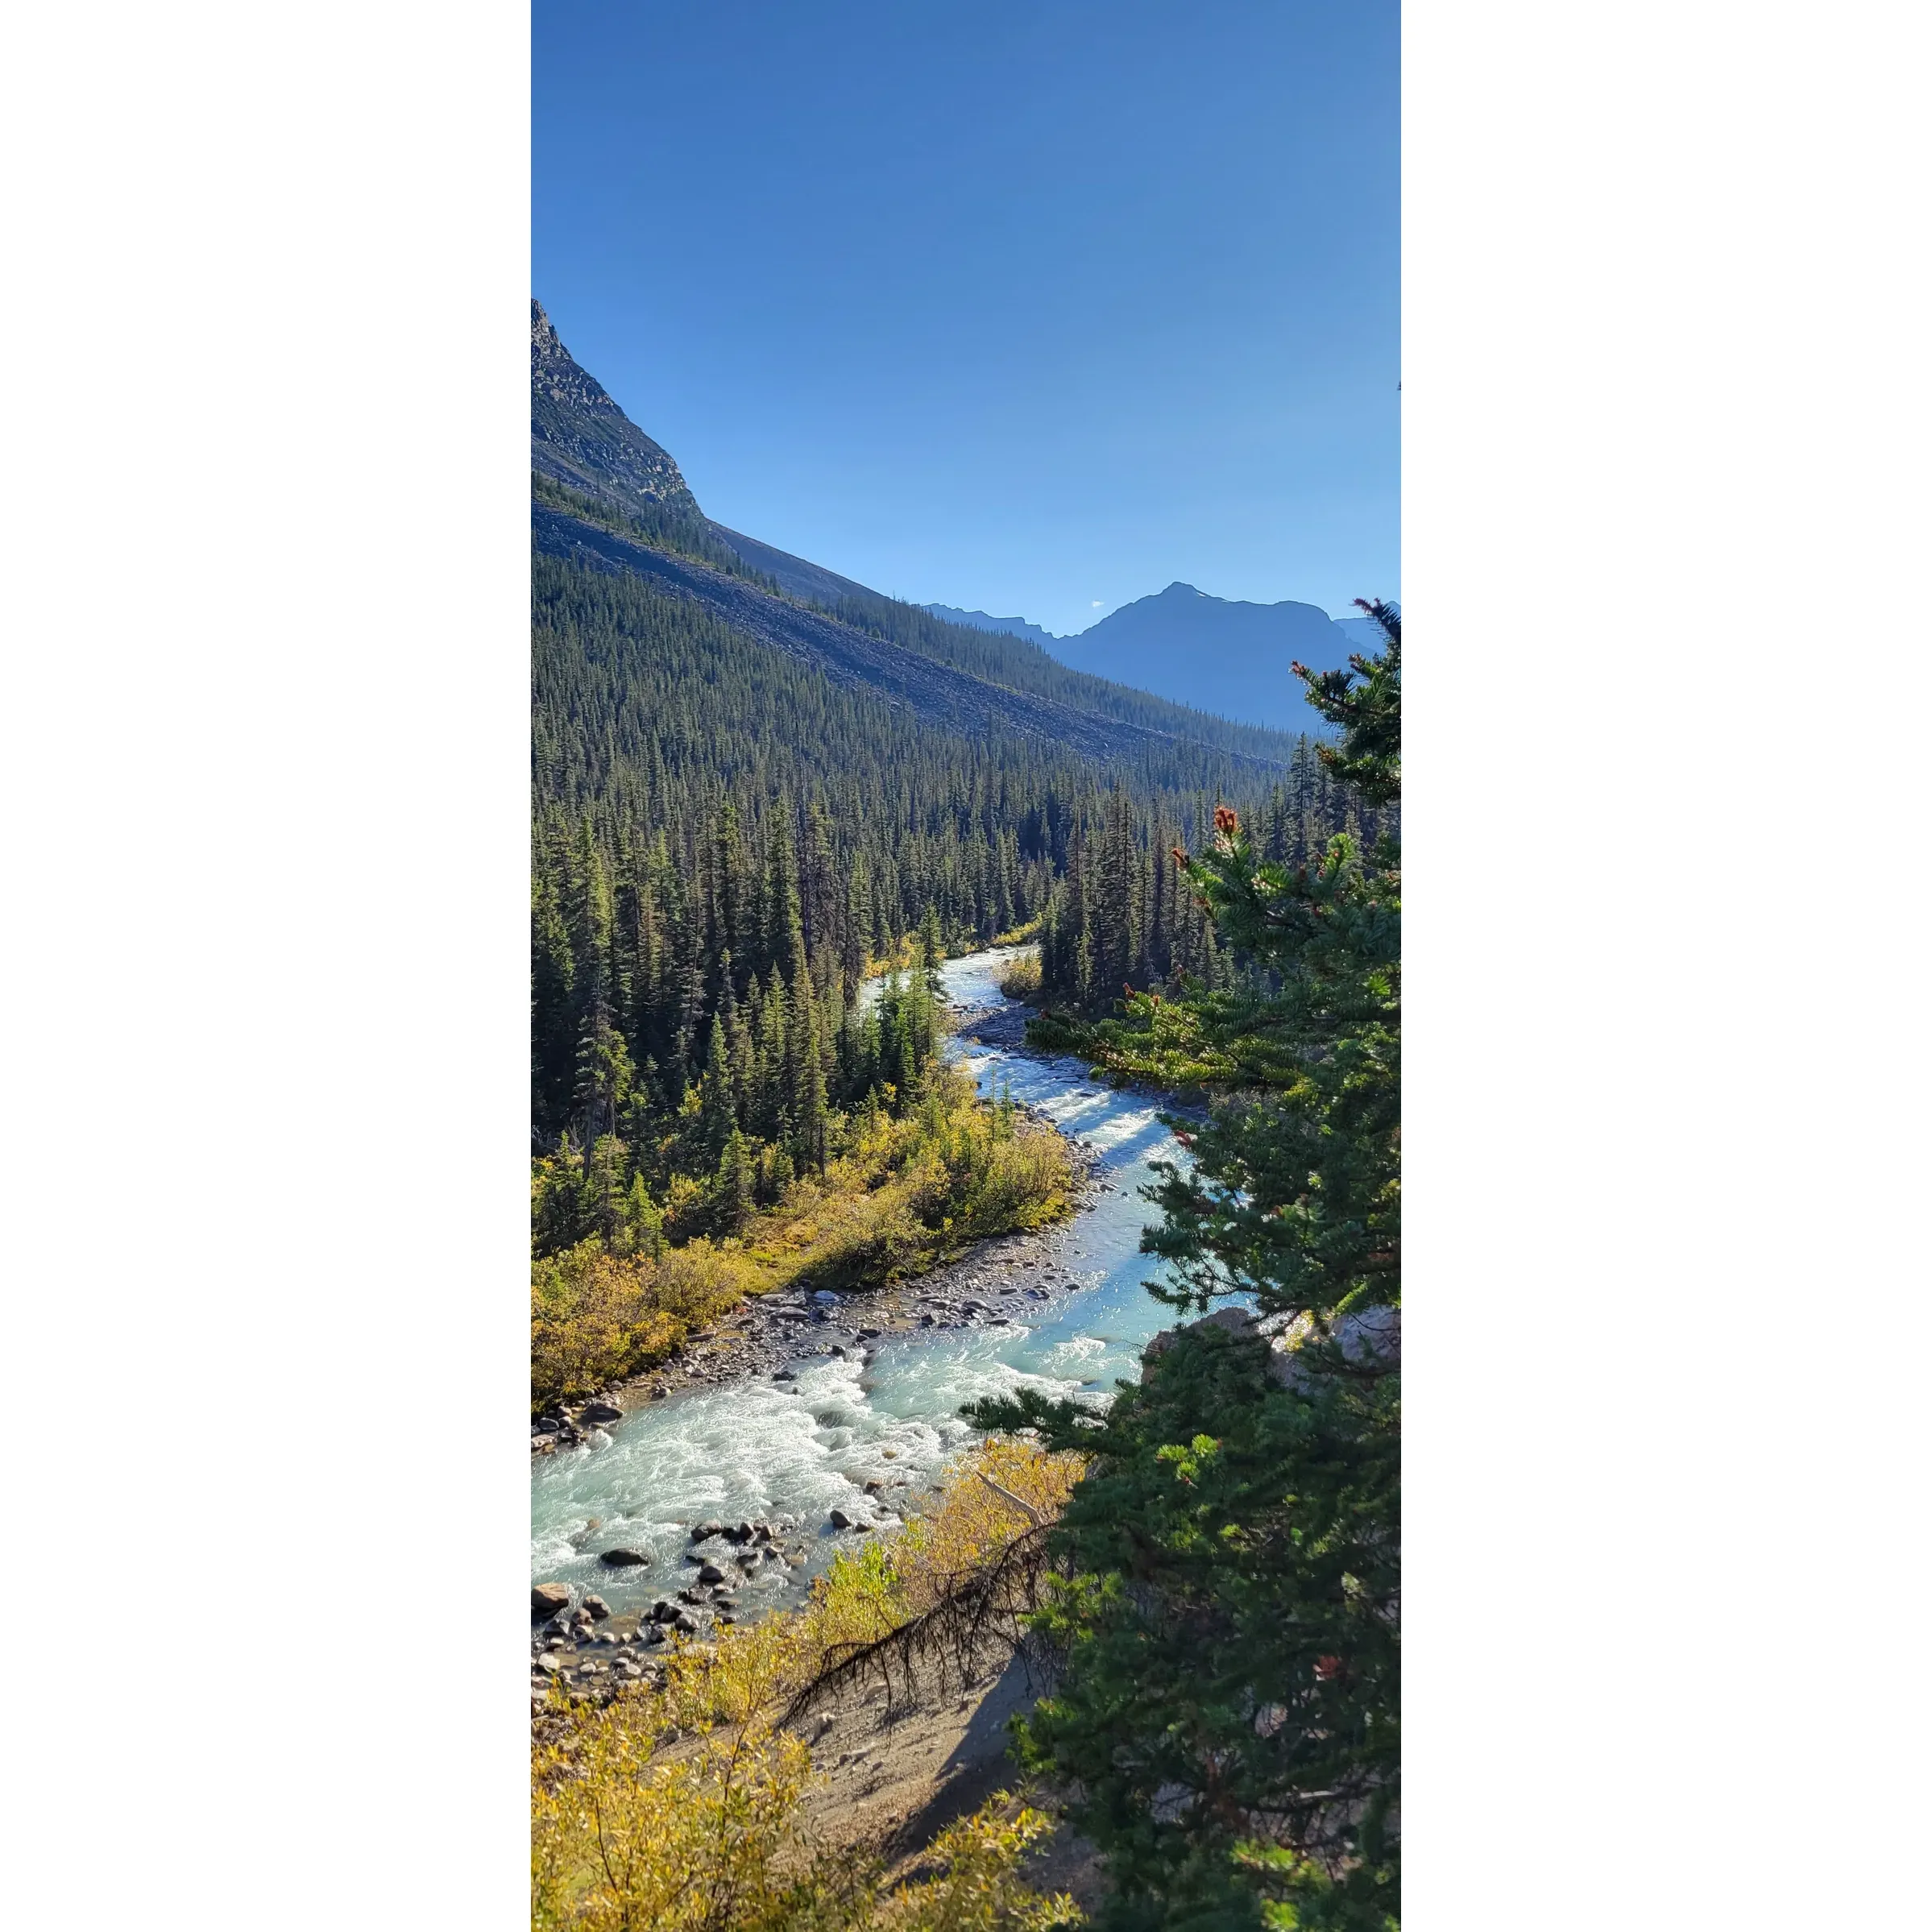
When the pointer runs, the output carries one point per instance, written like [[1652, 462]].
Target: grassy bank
[[904, 1196]]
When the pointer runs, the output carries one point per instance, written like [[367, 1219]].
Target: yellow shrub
[[1000, 1491], [677, 1807], [596, 1317], [1021, 979]]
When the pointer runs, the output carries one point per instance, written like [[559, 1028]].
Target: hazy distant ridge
[[1014, 626], [1226, 657]]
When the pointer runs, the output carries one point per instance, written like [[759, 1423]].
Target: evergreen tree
[[1228, 1707]]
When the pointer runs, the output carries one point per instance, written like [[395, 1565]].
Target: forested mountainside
[[685, 771], [743, 800]]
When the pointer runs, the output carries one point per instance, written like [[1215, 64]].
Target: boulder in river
[[840, 1520], [600, 1412], [711, 1573], [597, 1607], [547, 1599], [707, 1529], [624, 1559]]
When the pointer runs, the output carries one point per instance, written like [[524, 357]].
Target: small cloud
[[1095, 605]]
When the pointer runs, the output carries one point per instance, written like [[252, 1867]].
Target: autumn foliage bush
[[1021, 978]]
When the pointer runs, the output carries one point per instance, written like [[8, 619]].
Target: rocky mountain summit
[[580, 438]]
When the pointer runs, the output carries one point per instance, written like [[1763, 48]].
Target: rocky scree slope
[[580, 438]]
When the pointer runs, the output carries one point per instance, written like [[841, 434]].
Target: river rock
[[711, 1573], [550, 1664], [597, 1607], [624, 1559], [600, 1412], [707, 1529], [547, 1599], [661, 1612], [840, 1520]]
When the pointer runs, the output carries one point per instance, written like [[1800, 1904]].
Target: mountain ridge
[[954, 675], [579, 437], [1013, 627]]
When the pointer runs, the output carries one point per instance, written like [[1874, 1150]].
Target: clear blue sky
[[1031, 306]]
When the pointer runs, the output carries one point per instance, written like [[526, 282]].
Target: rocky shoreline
[[595, 1652]]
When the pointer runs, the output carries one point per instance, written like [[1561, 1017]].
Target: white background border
[[266, 760]]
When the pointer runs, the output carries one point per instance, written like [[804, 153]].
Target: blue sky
[[1032, 306]]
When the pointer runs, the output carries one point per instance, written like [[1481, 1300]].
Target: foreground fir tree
[[1228, 1707]]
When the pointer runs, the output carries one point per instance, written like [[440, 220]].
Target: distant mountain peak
[[1219, 653]]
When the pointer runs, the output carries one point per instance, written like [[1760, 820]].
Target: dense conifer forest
[[726, 844]]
